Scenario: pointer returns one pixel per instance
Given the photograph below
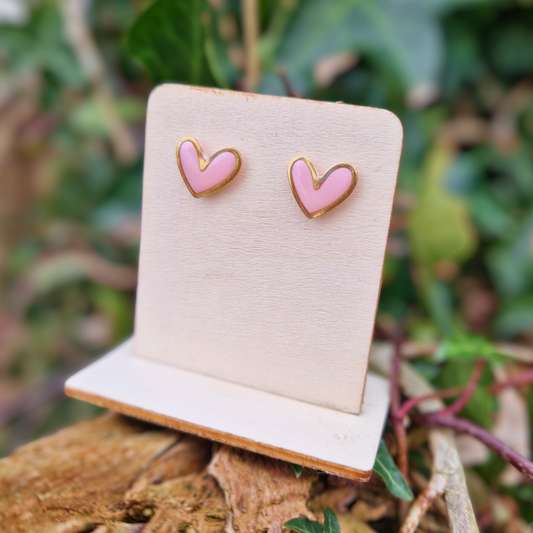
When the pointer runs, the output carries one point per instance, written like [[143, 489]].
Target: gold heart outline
[[318, 181], [204, 163]]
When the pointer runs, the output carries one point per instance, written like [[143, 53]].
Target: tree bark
[[119, 475]]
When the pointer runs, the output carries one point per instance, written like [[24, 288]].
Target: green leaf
[[507, 46], [381, 31], [88, 116], [217, 53], [439, 299], [490, 215], [386, 468], [331, 524], [466, 347], [297, 469], [115, 306], [511, 262], [440, 227], [515, 316], [169, 38], [41, 45], [304, 525]]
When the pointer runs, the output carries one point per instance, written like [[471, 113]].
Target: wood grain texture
[[302, 433], [241, 285], [119, 475]]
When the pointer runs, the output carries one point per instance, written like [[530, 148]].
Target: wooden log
[[119, 475]]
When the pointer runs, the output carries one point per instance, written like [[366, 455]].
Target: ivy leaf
[[466, 347], [387, 470], [169, 38], [304, 525], [381, 31], [331, 524]]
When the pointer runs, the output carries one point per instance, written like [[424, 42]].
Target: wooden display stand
[[254, 323]]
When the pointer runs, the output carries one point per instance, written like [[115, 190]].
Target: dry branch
[[436, 486]]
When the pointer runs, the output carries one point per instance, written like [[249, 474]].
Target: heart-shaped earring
[[205, 175], [317, 195]]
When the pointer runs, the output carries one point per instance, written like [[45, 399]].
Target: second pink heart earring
[[205, 175], [317, 195]]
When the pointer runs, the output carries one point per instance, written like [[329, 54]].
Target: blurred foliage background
[[75, 76]]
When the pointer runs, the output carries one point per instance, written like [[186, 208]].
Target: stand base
[[339, 443]]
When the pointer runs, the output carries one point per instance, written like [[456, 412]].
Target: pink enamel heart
[[315, 195], [206, 176]]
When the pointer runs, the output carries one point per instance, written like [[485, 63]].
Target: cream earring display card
[[239, 285], [264, 228]]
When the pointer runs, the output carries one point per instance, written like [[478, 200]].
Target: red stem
[[460, 403], [410, 404], [397, 422], [525, 378], [445, 418], [395, 380], [464, 392], [461, 425]]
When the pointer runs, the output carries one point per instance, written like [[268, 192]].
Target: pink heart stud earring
[[205, 175], [317, 195]]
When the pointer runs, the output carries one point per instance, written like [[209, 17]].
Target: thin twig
[[469, 390], [461, 425], [250, 23], [421, 483], [436, 487]]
